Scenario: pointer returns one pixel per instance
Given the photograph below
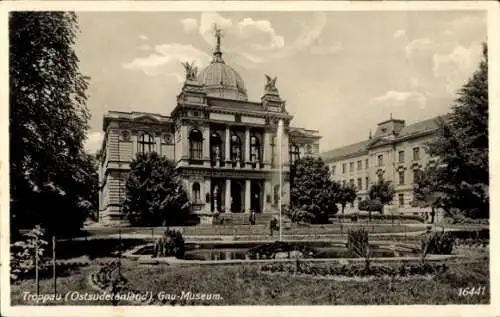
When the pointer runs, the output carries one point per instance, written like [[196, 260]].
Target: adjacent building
[[227, 148], [396, 152]]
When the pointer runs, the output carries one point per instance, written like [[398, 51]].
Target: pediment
[[146, 119], [378, 141]]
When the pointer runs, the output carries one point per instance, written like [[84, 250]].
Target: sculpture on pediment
[[191, 70], [271, 84]]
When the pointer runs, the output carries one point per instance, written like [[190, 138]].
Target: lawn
[[246, 285]]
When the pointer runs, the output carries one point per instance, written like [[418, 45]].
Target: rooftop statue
[[271, 84], [191, 70]]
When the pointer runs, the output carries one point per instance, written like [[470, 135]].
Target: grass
[[246, 285]]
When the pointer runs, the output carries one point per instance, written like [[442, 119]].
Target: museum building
[[225, 147], [396, 152]]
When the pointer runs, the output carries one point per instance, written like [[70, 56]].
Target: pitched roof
[[359, 147], [418, 127], [346, 150]]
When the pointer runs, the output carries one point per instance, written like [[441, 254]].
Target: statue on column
[[191, 70], [271, 84]]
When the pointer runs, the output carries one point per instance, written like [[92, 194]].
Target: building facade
[[227, 149], [396, 152]]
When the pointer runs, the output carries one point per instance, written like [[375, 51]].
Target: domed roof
[[221, 80]]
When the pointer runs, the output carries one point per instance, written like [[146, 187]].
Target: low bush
[[170, 244], [370, 205], [357, 241], [25, 253], [437, 243], [298, 215], [383, 218]]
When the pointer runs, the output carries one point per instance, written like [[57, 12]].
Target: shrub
[[24, 253], [297, 215], [170, 244], [437, 243], [370, 205], [386, 218], [357, 241]]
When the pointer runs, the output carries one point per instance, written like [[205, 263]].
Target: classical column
[[227, 200], [247, 145], [133, 137], [227, 157], [207, 187], [206, 146], [158, 143], [266, 159], [248, 185], [284, 146], [267, 193], [184, 142]]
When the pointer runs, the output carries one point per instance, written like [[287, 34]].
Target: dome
[[221, 80]]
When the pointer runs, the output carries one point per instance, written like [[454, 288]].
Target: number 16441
[[472, 291]]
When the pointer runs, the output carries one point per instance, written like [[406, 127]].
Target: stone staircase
[[243, 218]]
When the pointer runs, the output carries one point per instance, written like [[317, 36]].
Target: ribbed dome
[[221, 80]]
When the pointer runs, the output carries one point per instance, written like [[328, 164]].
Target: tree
[[153, 192], [461, 148], [382, 191], [311, 189], [346, 194], [427, 188], [48, 122]]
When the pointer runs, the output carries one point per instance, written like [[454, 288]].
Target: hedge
[[380, 217]]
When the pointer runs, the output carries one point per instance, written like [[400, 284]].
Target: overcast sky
[[340, 72]]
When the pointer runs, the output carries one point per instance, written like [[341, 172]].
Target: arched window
[[254, 149], [195, 145], [235, 148], [146, 143], [215, 147], [294, 153], [196, 193], [276, 194]]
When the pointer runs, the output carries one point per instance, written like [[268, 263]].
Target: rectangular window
[[343, 168], [333, 169], [416, 154], [380, 160], [351, 167], [366, 164], [401, 177], [366, 182], [401, 199], [360, 185], [359, 165], [351, 182], [401, 156]]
